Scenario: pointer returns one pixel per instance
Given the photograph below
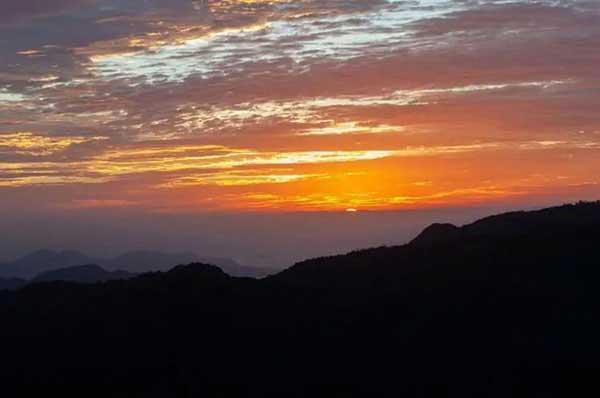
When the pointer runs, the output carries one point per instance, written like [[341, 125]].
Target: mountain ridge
[[45, 260], [89, 273], [508, 306], [539, 224]]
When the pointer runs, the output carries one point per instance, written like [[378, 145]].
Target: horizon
[[271, 131], [396, 231]]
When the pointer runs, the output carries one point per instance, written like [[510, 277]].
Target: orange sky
[[298, 105]]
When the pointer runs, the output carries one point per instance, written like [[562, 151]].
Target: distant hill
[[12, 283], [234, 268], [507, 306], [82, 274], [40, 261], [145, 261], [43, 261]]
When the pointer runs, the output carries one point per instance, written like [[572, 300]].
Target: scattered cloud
[[297, 104]]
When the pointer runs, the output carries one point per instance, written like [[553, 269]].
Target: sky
[[256, 118]]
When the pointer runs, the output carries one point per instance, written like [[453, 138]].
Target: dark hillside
[[507, 306]]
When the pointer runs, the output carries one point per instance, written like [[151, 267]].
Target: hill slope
[[40, 261], [82, 274], [543, 241], [507, 306], [11, 283]]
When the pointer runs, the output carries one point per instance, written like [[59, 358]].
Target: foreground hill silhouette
[[506, 306], [12, 283]]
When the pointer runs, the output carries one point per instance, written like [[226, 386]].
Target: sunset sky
[[236, 106]]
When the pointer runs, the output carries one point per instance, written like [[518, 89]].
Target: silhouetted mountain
[[436, 233], [205, 272], [82, 274], [543, 237], [233, 268], [42, 261], [146, 261], [12, 283], [506, 306]]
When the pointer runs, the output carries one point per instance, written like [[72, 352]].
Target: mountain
[[506, 306], [234, 268], [43, 261], [436, 233], [145, 261], [12, 283], [82, 274], [517, 241]]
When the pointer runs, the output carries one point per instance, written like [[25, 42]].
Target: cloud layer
[[297, 105]]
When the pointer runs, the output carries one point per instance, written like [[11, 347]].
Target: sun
[[351, 210]]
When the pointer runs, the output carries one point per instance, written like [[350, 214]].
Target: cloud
[[15, 9], [26, 143], [292, 100]]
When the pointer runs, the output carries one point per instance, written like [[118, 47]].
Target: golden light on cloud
[[237, 179], [352, 128], [172, 159], [187, 165], [38, 145], [314, 105]]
